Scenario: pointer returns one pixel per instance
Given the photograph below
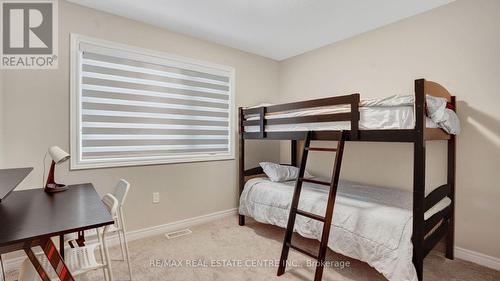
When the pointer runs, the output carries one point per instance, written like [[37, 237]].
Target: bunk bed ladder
[[327, 219]]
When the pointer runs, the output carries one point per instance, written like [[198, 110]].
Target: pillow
[[446, 118], [436, 108], [280, 173]]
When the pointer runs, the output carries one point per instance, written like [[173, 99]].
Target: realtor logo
[[29, 34]]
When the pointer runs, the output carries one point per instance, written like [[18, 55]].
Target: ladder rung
[[321, 149], [302, 251], [310, 215], [317, 182]]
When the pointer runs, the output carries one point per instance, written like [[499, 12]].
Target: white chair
[[79, 260], [120, 193]]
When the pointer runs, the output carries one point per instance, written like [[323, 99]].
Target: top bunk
[[394, 119]]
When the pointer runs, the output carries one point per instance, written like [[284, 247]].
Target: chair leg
[[101, 253], [122, 246], [127, 252], [127, 256], [106, 254]]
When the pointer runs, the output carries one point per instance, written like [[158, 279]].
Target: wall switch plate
[[156, 197]]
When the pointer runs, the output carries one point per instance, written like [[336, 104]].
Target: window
[[132, 106]]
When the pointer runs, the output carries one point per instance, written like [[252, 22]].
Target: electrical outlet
[[156, 197]]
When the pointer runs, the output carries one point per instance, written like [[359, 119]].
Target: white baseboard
[[475, 257], [173, 226], [14, 263]]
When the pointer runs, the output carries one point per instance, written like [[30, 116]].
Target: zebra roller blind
[[136, 107]]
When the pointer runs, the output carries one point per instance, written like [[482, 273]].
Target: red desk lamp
[[58, 156]]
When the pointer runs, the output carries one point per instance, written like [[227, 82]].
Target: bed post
[[355, 116], [293, 156], [419, 178], [450, 238], [241, 160]]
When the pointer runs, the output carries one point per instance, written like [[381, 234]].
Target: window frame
[[76, 162]]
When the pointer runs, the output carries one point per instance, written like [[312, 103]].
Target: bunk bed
[[431, 214]]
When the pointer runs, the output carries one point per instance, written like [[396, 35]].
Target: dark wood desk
[[30, 218]]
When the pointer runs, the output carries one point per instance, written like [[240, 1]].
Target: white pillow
[[452, 124], [280, 173], [446, 118], [436, 108]]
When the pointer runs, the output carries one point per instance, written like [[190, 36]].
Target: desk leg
[[54, 259], [36, 264], [81, 239], [61, 245], [3, 270]]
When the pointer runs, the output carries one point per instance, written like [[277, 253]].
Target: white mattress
[[371, 224], [394, 112], [370, 118]]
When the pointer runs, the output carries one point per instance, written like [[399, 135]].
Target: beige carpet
[[232, 250]]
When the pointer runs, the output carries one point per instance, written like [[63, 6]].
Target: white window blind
[[133, 107]]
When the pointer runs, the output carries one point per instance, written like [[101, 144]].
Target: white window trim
[[75, 107]]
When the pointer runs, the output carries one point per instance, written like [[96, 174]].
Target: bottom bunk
[[371, 224]]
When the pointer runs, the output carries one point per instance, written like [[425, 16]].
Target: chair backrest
[[111, 204], [121, 191]]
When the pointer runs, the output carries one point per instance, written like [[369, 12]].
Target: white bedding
[[371, 224], [394, 112]]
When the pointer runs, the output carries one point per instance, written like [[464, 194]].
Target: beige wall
[[457, 45], [36, 112]]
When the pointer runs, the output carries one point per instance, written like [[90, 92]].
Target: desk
[[29, 218]]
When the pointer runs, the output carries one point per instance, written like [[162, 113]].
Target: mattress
[[394, 112], [371, 224], [370, 118]]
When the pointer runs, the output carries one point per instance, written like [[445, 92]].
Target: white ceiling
[[276, 29]]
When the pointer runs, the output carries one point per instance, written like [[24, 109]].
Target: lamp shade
[[58, 155]]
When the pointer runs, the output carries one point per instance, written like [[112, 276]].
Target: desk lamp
[[58, 156]]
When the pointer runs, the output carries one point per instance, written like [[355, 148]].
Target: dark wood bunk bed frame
[[426, 233]]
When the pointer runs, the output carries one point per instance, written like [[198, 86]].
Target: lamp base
[[55, 187]]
